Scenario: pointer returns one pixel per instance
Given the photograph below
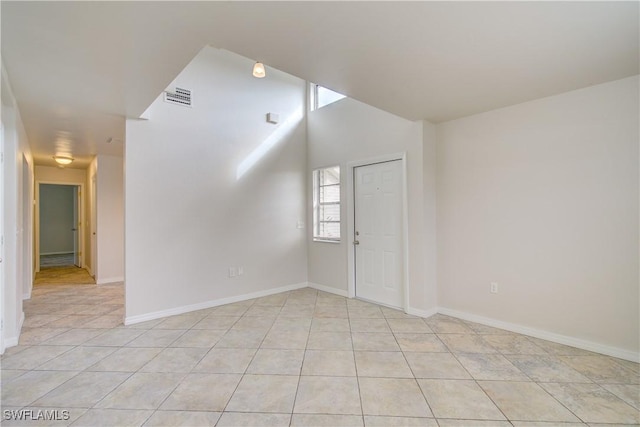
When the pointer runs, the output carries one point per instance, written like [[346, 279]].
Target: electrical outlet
[[240, 271], [494, 288], [232, 272]]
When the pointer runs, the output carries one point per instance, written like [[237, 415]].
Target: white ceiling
[[79, 68]]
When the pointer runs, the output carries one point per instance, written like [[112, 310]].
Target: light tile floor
[[301, 358]]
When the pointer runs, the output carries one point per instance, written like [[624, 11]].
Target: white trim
[[109, 280], [208, 304], [422, 313], [13, 341], [545, 335], [329, 289], [351, 270]]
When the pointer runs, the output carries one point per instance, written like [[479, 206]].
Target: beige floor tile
[[417, 326], [32, 385], [546, 369], [142, 390], [203, 338], [484, 329], [235, 309], [466, 343], [115, 337], [107, 321], [593, 404], [393, 313], [287, 340], [264, 393], [634, 366], [241, 338], [306, 420], [630, 393], [10, 351], [217, 322], [328, 395], [369, 325], [331, 311], [36, 336], [491, 367], [393, 397], [182, 321], [257, 323], [436, 365], [83, 391], [601, 369], [276, 362], [175, 360], [74, 337], [513, 344], [365, 341], [225, 361], [329, 362], [376, 421], [297, 310], [157, 338], [447, 325], [476, 423], [236, 419], [10, 374], [420, 342], [126, 360], [277, 300], [39, 320], [560, 349], [459, 399], [74, 320], [78, 359], [291, 324], [183, 418], [330, 325], [320, 340], [382, 364], [546, 424], [32, 357], [112, 417], [365, 312], [263, 310], [202, 392], [526, 401]]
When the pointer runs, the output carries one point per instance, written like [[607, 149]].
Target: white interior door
[[76, 227], [1, 239], [378, 233]]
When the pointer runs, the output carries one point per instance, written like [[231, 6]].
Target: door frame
[[350, 199], [81, 220]]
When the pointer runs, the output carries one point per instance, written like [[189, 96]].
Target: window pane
[[330, 175], [330, 230], [330, 194], [327, 96], [329, 212]]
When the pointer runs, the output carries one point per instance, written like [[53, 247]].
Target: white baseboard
[[13, 341], [26, 295], [545, 335], [208, 304], [329, 289], [422, 313], [104, 281]]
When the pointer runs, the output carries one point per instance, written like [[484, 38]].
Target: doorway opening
[[377, 230], [59, 237]]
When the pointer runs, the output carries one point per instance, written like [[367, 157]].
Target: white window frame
[[317, 204]]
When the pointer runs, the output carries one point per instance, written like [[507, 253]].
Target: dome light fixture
[[63, 160], [259, 70]]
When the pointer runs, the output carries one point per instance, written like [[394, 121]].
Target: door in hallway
[[378, 244]]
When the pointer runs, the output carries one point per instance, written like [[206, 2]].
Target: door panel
[[378, 226]]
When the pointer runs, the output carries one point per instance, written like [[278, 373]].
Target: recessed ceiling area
[[78, 69]]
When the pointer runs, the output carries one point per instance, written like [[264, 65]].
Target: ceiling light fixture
[[259, 70], [63, 160]]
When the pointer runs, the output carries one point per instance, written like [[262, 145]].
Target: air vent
[[180, 97]]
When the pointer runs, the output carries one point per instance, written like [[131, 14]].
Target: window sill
[[325, 241]]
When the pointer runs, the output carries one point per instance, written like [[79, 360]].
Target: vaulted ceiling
[[79, 68]]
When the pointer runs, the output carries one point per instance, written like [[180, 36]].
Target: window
[[321, 96], [326, 204]]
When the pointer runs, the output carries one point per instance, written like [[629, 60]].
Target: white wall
[[542, 198], [56, 219], [347, 131], [110, 219], [17, 226], [188, 214]]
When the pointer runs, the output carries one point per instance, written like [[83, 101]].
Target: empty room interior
[[320, 213]]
